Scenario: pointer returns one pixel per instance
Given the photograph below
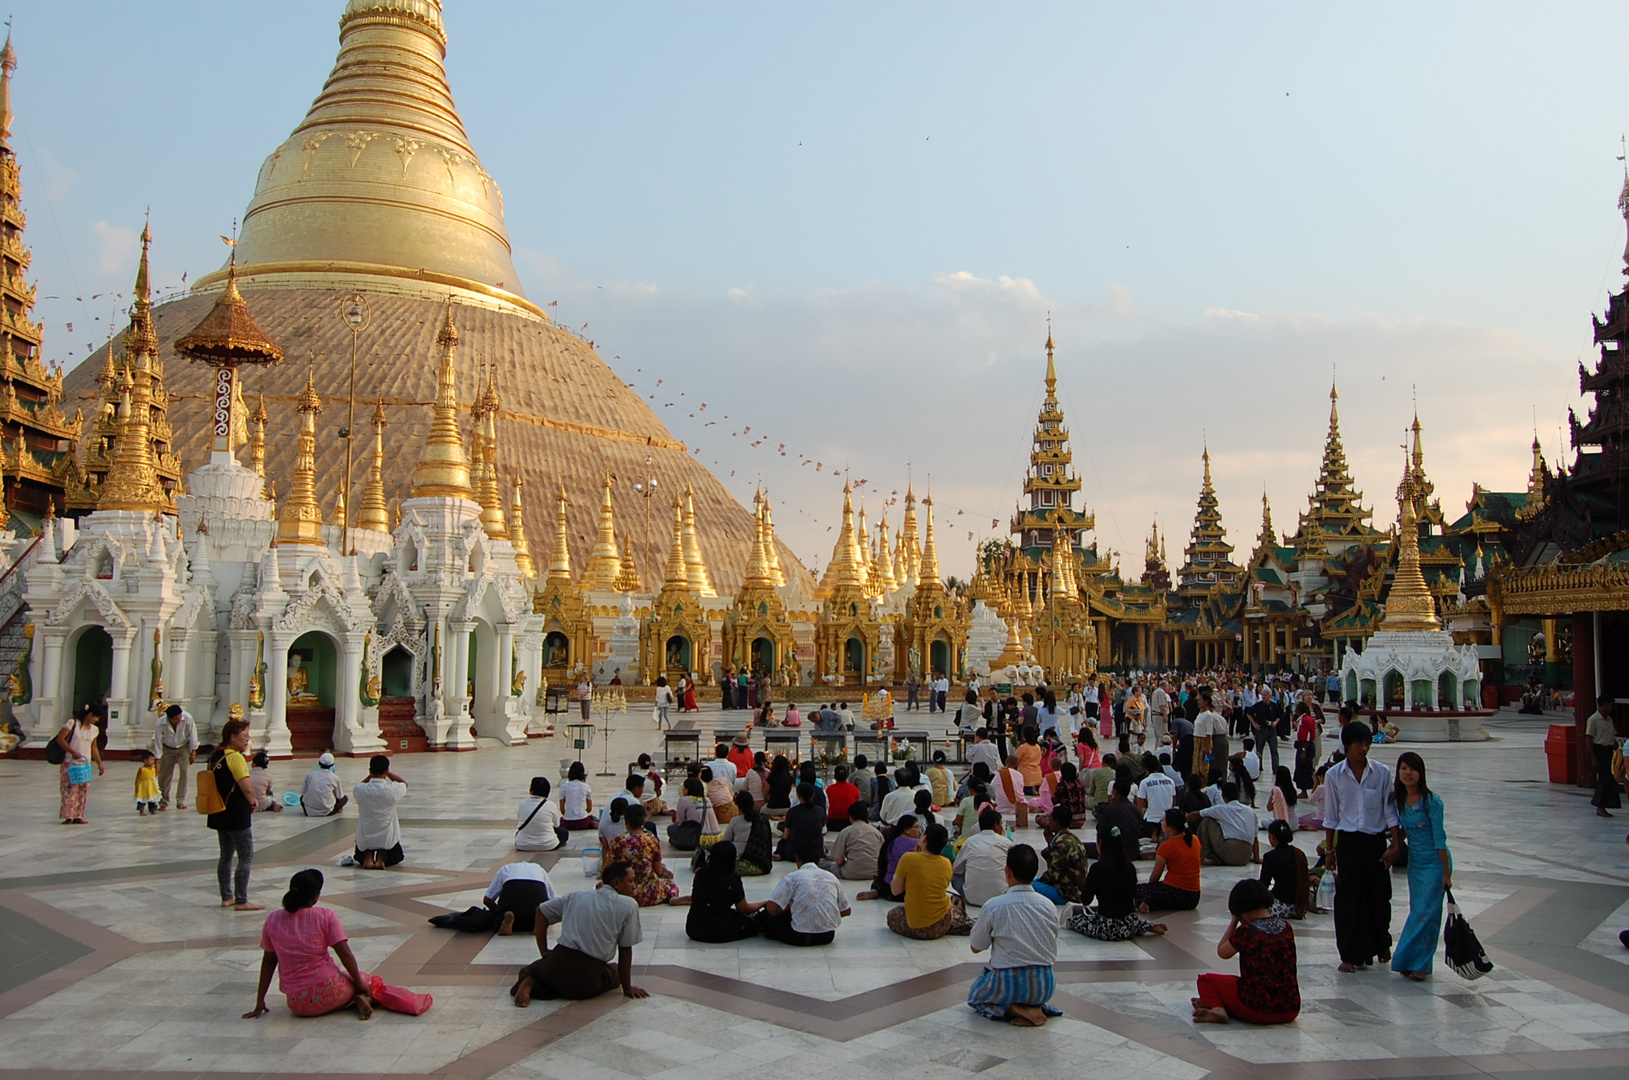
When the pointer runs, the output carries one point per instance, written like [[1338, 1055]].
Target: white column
[[455, 677], [275, 739], [120, 702], [51, 687]]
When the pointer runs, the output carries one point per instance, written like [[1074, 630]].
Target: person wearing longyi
[[1361, 832], [596, 927]]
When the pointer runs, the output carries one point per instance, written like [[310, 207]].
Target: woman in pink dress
[[295, 943]]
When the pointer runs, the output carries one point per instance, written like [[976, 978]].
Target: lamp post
[[353, 308], [646, 488]]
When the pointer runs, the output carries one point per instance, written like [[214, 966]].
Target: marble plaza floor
[[116, 960]]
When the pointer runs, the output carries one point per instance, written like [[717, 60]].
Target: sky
[[846, 226]]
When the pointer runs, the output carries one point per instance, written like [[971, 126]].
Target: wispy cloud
[[116, 249]]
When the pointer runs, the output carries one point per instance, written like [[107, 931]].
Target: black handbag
[[54, 752], [1461, 950]]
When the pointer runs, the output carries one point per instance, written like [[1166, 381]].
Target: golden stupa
[[378, 190]]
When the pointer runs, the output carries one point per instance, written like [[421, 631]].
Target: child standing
[[147, 785]]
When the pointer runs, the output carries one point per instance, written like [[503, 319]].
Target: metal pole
[[353, 308]]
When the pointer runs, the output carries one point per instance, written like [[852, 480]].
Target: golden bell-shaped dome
[[380, 180]]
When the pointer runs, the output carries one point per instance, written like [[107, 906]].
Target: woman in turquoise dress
[[1419, 811]]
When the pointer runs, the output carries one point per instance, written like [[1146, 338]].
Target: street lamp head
[[353, 308]]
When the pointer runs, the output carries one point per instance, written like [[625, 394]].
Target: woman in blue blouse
[[1419, 811]]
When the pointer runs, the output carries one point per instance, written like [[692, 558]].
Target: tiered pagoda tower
[[39, 444], [1335, 517], [1050, 485], [1209, 566]]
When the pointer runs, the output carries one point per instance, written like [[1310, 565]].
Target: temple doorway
[[677, 654], [763, 655], [939, 656], [312, 675], [93, 667]]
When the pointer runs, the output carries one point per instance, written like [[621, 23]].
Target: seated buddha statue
[[299, 684]]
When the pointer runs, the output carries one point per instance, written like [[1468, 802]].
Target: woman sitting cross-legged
[[295, 942], [1284, 872], [922, 877], [694, 824], [748, 834], [1112, 880], [719, 909], [898, 839], [1174, 883], [653, 883], [1266, 990]]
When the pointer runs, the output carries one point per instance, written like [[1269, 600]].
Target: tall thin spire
[[1267, 538], [517, 533], [374, 513], [758, 573], [560, 557], [846, 568], [257, 438], [1536, 478], [774, 553], [604, 562], [132, 480], [8, 64], [1409, 604], [1334, 509], [299, 519], [930, 551], [885, 559], [701, 583], [676, 576], [442, 468], [484, 469]]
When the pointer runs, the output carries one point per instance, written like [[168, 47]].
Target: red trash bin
[[1561, 748]]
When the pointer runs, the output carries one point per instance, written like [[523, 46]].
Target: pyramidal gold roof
[[380, 180]]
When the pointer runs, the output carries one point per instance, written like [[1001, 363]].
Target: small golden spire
[[1409, 604], [930, 553], [374, 513], [628, 574], [8, 64], [443, 469], [484, 468], [132, 479], [299, 519], [885, 559], [846, 569], [758, 573], [676, 575], [701, 583], [868, 569], [257, 443], [1535, 478], [1268, 537], [774, 552], [560, 557], [338, 520], [1051, 370], [604, 563], [909, 568], [517, 533]]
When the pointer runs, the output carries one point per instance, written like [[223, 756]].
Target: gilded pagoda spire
[[774, 553], [1409, 604], [1536, 478], [867, 564], [8, 64], [517, 533], [758, 574], [1267, 537], [846, 569], [132, 481], [443, 469], [930, 552], [701, 583], [1209, 561], [676, 575], [604, 562], [1334, 509], [885, 559], [628, 573], [485, 466], [257, 439], [909, 568], [299, 519], [374, 513], [560, 557]]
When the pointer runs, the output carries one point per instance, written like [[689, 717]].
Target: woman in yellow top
[[922, 877], [1029, 756]]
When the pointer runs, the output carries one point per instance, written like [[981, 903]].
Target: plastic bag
[[397, 999], [1326, 892]]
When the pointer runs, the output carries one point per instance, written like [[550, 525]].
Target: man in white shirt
[[320, 793], [516, 891], [1159, 714], [1020, 928], [1360, 812], [1154, 796], [723, 768], [174, 738], [1603, 742], [585, 695], [807, 905], [980, 871], [378, 832], [1227, 833], [596, 926], [901, 800], [983, 750]]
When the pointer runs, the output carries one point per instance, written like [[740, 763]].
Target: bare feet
[[1025, 1016], [1600, 811], [1346, 969], [523, 992], [1158, 928], [679, 901], [247, 906], [507, 927], [228, 903], [866, 894], [1417, 976], [1210, 1016], [1144, 907], [364, 1007], [1385, 957], [1198, 1003]]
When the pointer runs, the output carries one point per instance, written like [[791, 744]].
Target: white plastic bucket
[[591, 862]]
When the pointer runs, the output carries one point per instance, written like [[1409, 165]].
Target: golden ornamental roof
[[229, 334]]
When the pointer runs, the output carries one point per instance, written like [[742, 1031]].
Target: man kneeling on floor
[[595, 926], [1020, 928]]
